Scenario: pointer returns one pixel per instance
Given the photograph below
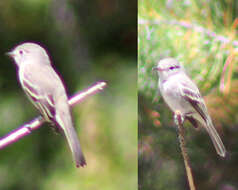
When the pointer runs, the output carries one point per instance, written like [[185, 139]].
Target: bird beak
[[10, 54], [155, 69]]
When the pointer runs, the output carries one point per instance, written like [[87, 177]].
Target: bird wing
[[49, 96], [190, 92], [42, 100]]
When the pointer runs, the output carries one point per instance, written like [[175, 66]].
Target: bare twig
[[228, 65], [179, 123], [187, 25], [26, 129]]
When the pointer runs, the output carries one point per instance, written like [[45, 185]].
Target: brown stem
[[182, 143]]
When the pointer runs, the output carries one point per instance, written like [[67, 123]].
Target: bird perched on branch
[[181, 94], [46, 91]]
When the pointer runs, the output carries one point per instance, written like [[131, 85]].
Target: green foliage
[[201, 35], [87, 42]]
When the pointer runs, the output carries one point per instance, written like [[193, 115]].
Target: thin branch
[[27, 128], [194, 27], [179, 123], [225, 88]]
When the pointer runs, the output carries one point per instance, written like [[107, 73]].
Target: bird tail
[[217, 142], [64, 120]]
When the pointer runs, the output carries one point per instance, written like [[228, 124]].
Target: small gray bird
[[46, 91], [181, 94]]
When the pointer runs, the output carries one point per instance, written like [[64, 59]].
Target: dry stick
[[179, 123], [26, 129]]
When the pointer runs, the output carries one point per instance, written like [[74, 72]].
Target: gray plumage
[[181, 94], [46, 91]]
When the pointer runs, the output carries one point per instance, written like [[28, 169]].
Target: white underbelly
[[174, 100]]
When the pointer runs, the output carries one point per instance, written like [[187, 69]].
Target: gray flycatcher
[[181, 94], [46, 91]]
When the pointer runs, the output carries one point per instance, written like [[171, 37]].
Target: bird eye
[[21, 52], [173, 67]]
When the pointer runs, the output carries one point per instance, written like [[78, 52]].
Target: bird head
[[28, 53], [168, 67]]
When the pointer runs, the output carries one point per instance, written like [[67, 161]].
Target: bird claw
[[178, 118]]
